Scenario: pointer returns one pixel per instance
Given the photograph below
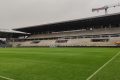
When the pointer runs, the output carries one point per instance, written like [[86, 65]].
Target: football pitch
[[60, 64]]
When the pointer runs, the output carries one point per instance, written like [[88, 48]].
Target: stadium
[[93, 31], [82, 49], [72, 49]]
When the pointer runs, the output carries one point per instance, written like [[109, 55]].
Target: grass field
[[59, 63]]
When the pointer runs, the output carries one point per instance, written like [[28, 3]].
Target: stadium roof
[[5, 33], [96, 21]]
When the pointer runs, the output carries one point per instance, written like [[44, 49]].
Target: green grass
[[59, 63]]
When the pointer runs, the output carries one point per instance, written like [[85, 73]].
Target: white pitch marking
[[103, 66], [6, 78]]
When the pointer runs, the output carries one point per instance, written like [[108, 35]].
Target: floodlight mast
[[105, 8]]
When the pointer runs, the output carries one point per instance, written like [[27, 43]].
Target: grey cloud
[[21, 13]]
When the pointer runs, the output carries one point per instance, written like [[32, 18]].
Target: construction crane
[[105, 8]]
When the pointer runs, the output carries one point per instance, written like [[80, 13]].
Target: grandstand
[[7, 37], [93, 31]]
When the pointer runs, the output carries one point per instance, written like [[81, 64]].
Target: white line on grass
[[6, 78], [103, 66]]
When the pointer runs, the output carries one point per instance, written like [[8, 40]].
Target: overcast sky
[[22, 13]]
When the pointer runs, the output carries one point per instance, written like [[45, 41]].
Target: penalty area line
[[3, 77], [90, 77]]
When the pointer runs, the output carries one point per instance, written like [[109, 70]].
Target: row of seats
[[78, 33], [70, 42]]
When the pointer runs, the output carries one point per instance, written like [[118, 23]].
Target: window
[[99, 40], [35, 41], [61, 41]]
